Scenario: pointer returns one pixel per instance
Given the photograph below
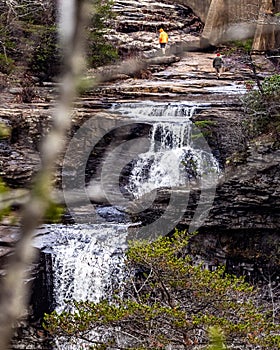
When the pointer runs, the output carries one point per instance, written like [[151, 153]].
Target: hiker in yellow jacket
[[163, 40]]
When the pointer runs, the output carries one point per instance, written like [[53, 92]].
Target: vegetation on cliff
[[163, 303], [29, 34], [262, 107]]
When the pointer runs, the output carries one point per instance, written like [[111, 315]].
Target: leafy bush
[[29, 35], [99, 51], [262, 107], [245, 45], [271, 86]]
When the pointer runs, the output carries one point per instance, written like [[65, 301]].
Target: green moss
[[204, 123], [54, 213], [5, 211], [205, 127], [5, 131]]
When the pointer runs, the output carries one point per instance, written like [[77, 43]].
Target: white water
[[157, 110], [87, 264], [86, 259], [178, 152]]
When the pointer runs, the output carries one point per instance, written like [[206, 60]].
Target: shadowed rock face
[[241, 229], [200, 8]]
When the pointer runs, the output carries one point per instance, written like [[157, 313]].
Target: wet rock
[[28, 333], [112, 214]]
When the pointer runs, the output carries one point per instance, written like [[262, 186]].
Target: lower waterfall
[[87, 264]]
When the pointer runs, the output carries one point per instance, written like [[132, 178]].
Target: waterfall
[[178, 152], [87, 260], [153, 110], [87, 264]]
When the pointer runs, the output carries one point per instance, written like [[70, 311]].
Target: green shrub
[[7, 65], [167, 301], [45, 61], [245, 45], [99, 51], [262, 107], [271, 86]]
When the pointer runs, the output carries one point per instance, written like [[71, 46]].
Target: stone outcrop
[[267, 34], [20, 149], [137, 24], [241, 229], [200, 8], [29, 334]]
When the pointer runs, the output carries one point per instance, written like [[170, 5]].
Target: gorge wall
[[227, 20]]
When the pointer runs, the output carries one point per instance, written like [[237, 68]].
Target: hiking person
[[218, 64], [163, 40]]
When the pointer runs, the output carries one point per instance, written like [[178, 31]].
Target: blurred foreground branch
[[13, 292]]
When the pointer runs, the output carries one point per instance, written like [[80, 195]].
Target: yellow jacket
[[163, 37]]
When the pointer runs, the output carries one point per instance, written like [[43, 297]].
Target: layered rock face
[[200, 8], [20, 150], [136, 28], [241, 229]]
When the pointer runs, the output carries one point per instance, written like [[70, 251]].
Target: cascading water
[[153, 110], [87, 263], [87, 259], [175, 155]]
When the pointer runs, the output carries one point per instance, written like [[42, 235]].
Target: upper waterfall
[[151, 110], [178, 152]]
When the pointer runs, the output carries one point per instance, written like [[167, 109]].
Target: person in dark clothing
[[218, 64]]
